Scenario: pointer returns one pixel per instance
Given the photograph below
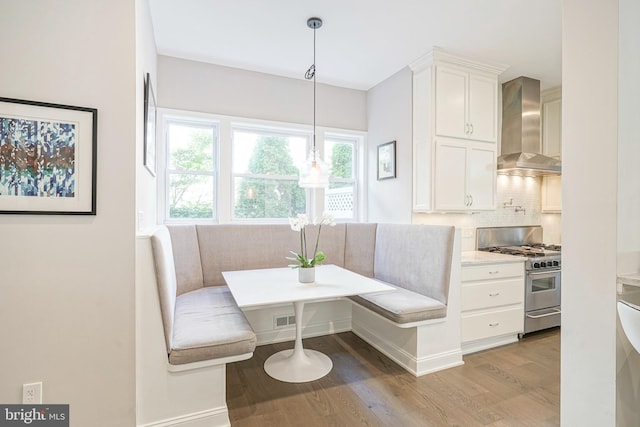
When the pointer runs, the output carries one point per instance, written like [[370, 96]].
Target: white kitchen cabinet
[[552, 123], [455, 111], [551, 193], [492, 305], [465, 176], [466, 104]]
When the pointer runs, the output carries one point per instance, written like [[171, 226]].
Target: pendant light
[[314, 173]]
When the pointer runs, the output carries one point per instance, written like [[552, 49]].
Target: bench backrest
[[163, 256], [415, 257], [231, 247]]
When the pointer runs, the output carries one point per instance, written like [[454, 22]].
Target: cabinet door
[[451, 101], [552, 128], [483, 108], [551, 193], [481, 173], [422, 149], [450, 177]]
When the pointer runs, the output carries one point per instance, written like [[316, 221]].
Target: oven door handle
[[546, 273], [531, 316]]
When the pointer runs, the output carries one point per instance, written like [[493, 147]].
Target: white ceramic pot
[[307, 275]]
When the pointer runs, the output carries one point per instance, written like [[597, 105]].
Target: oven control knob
[[543, 264], [536, 265], [556, 263]]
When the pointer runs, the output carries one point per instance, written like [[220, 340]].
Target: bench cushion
[[209, 325], [402, 306]]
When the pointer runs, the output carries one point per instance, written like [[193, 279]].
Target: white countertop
[[631, 279], [482, 257]]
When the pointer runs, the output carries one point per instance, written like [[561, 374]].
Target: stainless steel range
[[542, 265]]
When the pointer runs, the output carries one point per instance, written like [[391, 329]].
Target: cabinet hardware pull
[[471, 126], [471, 197], [494, 272], [466, 128], [494, 324], [494, 294]]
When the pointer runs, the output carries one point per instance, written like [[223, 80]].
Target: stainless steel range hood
[[521, 144]]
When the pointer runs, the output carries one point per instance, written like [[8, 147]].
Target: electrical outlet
[[32, 394]]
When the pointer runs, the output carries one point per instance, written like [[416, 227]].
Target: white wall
[[628, 360], [589, 172], [146, 62], [207, 88], [67, 305], [389, 117]]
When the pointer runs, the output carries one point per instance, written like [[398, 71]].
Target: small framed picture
[[48, 158], [149, 127], [387, 160]]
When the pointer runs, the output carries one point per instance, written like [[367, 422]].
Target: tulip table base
[[298, 365]]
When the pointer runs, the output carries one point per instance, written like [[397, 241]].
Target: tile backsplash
[[514, 191]]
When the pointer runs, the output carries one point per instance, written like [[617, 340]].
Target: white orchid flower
[[328, 219], [298, 222]]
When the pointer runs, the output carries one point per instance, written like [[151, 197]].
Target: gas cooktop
[[520, 241], [534, 250]]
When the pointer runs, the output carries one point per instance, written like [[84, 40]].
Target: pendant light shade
[[314, 172]]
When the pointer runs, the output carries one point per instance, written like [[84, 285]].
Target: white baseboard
[[438, 362], [487, 343], [217, 417]]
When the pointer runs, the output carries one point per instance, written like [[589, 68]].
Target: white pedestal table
[[252, 288]]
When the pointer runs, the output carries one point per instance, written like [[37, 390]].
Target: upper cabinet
[[464, 176], [466, 104], [455, 130], [552, 123], [551, 187]]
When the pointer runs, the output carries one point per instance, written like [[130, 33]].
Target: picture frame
[[48, 158], [387, 160], [150, 115]]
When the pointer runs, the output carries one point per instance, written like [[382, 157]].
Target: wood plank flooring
[[513, 385]]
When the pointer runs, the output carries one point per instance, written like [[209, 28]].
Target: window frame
[[357, 142], [164, 186], [267, 131], [223, 164]]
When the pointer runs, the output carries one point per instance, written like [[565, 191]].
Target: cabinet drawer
[[492, 271], [492, 294], [495, 323]]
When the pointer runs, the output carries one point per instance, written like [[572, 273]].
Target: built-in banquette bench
[[202, 323]]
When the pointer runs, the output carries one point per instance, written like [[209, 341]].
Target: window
[[229, 169], [190, 170], [265, 173], [341, 196]]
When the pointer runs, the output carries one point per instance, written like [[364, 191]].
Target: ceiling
[[362, 42]]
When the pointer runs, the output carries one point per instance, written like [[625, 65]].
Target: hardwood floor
[[514, 385]]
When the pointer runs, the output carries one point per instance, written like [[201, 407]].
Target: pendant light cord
[[311, 74]]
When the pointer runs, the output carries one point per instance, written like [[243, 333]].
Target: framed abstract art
[[47, 158]]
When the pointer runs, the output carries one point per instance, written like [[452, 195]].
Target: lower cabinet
[[492, 305]]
